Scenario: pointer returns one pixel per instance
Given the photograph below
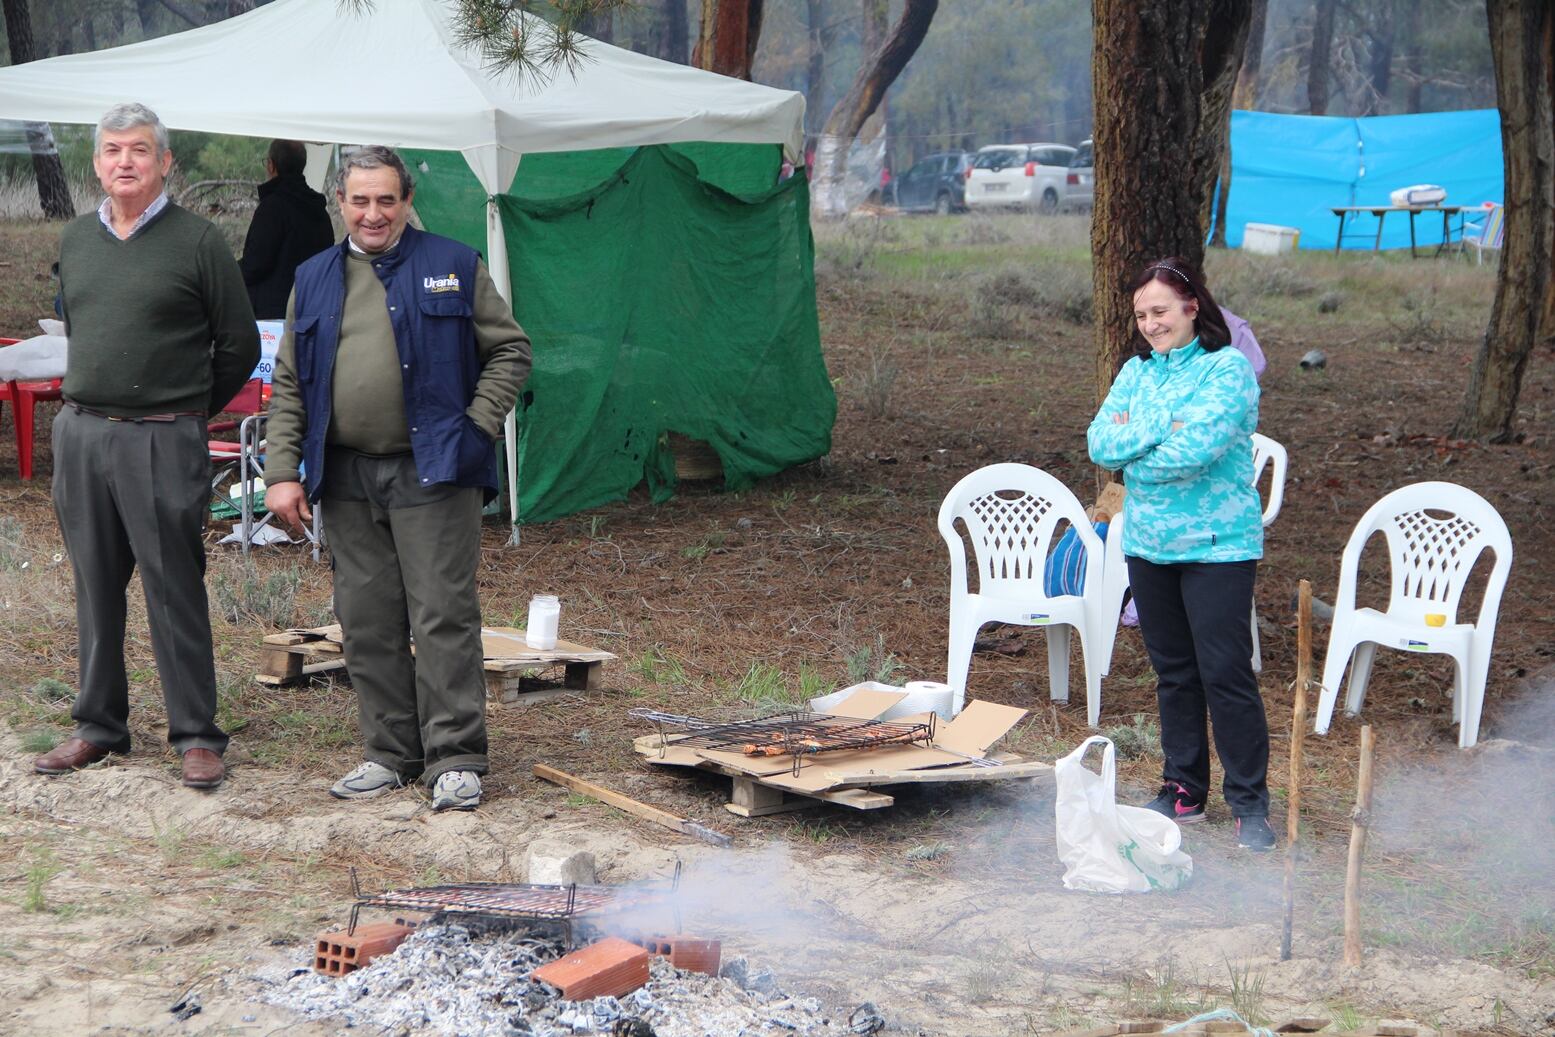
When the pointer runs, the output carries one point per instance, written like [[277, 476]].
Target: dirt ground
[[952, 343]]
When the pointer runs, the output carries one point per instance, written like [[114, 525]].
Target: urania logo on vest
[[441, 284]]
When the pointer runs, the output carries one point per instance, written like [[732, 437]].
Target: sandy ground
[[154, 890]]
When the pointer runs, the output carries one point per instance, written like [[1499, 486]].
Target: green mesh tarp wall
[[667, 289]]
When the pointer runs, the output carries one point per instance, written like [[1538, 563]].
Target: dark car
[[936, 183]]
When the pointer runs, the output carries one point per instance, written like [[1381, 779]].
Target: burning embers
[[796, 734]]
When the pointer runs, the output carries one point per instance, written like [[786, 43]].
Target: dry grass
[[808, 569]]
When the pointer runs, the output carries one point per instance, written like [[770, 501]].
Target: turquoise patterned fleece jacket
[[1190, 492]]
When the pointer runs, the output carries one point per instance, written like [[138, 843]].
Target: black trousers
[[1196, 618]]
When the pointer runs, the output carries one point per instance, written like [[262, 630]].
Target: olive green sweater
[[159, 322]]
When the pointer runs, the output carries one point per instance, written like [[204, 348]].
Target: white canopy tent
[[311, 70]]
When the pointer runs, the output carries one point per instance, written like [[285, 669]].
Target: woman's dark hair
[[1179, 275]]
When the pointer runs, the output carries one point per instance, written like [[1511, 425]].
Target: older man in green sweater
[[161, 335]]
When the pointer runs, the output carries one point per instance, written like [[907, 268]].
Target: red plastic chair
[[23, 397]]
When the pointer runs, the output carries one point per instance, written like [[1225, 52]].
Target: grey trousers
[[405, 563], [133, 495]]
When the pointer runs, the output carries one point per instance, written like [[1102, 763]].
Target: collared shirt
[[105, 213], [359, 250]]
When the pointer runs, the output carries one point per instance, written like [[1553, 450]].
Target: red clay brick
[[610, 968], [686, 952], [337, 953]]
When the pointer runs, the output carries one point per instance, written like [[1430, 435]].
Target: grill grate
[[797, 734], [516, 900]]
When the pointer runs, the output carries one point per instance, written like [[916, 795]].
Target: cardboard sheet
[[866, 704], [978, 726], [508, 643]]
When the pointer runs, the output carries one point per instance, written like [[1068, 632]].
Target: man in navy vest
[[399, 364]]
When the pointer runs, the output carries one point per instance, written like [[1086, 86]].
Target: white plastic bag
[[1107, 848]]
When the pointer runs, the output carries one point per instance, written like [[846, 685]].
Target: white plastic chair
[[1266, 454], [1010, 512], [1435, 533], [1488, 233]]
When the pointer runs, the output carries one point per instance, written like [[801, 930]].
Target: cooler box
[[1270, 239]]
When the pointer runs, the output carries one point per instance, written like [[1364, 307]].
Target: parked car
[[1030, 176], [934, 184], [1080, 184]]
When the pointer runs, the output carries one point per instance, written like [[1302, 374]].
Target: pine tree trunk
[[667, 30], [53, 189], [1413, 65], [1522, 47], [598, 25], [815, 67], [727, 37], [1245, 96], [1321, 58], [1162, 74], [848, 116]]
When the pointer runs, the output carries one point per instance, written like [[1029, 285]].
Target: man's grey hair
[[127, 116], [374, 156]]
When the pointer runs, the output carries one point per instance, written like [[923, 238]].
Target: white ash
[[446, 980]]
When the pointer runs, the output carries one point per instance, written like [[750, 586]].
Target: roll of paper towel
[[923, 697]]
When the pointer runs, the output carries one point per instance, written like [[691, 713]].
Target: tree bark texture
[[1522, 47], [848, 116], [1244, 96], [1162, 76], [667, 31], [815, 66], [1321, 57], [53, 189], [598, 25], [727, 37], [1414, 66]]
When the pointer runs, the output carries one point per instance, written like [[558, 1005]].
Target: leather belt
[[161, 418]]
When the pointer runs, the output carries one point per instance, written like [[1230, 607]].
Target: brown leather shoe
[[203, 769], [70, 755]]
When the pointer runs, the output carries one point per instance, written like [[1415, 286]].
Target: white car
[[1030, 176]]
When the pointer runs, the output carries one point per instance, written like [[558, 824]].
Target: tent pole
[[497, 263]]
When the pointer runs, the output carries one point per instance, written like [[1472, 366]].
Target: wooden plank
[[624, 802], [584, 676], [1010, 771], [311, 670], [514, 697], [858, 799], [283, 665], [753, 799]]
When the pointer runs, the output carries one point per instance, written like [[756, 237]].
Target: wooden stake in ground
[[1360, 822], [631, 806], [1298, 737]]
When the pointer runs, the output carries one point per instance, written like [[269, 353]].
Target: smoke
[[1466, 840]]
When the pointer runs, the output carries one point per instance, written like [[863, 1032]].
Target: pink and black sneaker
[[1177, 803]]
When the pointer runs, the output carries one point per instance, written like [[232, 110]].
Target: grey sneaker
[[367, 781], [456, 790]]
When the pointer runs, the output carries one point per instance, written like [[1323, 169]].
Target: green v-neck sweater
[[158, 323]]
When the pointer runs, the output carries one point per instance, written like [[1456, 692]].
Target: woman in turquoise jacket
[[1177, 422]]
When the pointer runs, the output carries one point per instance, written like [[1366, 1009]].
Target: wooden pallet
[[513, 669], [751, 797]]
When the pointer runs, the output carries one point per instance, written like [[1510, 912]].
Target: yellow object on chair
[[1435, 619]]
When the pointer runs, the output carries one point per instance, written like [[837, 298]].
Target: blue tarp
[[1292, 169]]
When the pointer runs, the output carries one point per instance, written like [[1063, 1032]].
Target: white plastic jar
[[545, 614]]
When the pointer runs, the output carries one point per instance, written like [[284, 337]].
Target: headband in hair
[[1179, 273]]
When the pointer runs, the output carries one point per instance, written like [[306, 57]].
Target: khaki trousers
[[405, 561]]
